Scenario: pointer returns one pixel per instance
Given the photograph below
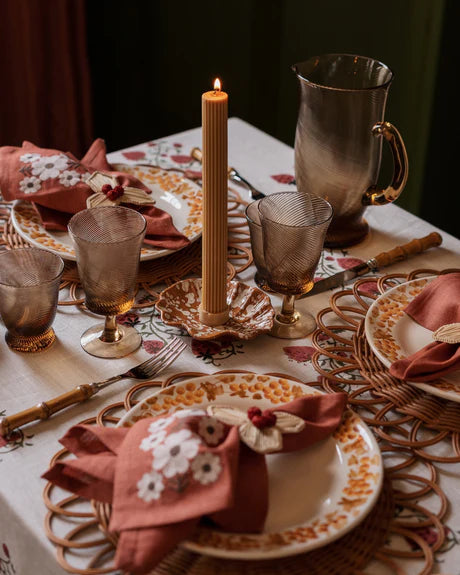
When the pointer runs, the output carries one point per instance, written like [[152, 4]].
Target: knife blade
[[383, 259]]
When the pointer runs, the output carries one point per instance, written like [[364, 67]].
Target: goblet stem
[[288, 313], [111, 332], [289, 323]]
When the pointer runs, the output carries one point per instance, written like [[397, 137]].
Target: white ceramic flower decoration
[[117, 194], [262, 431]]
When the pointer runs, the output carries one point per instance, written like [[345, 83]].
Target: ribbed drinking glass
[[29, 288], [108, 241], [294, 226]]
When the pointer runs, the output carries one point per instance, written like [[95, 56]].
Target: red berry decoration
[[253, 411], [261, 419], [270, 418], [258, 421], [118, 191], [106, 188]]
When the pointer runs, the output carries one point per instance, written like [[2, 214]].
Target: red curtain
[[44, 74]]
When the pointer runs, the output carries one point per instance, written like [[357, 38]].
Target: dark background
[[139, 68]]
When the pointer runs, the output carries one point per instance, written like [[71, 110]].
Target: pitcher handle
[[375, 197]]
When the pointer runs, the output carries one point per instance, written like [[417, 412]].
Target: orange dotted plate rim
[[441, 389], [358, 453]]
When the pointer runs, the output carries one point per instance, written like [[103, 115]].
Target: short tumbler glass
[[108, 242], [29, 291]]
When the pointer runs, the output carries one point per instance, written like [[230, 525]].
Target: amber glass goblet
[[294, 226], [108, 241]]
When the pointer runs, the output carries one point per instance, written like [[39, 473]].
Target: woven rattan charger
[[348, 555], [399, 413]]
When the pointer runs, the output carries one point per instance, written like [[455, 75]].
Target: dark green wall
[[152, 60]]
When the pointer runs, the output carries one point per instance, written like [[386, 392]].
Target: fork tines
[[164, 357]]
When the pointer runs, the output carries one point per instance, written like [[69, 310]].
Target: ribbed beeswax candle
[[214, 308]]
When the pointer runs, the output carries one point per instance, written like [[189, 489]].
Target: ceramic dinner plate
[[173, 193], [315, 495], [393, 335]]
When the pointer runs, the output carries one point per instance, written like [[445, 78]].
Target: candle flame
[[217, 85]]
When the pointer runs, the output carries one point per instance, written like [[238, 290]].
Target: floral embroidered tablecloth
[[26, 380]]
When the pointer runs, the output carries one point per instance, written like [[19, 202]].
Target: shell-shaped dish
[[251, 311]]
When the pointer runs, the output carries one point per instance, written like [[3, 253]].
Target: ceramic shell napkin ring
[[262, 431], [108, 192]]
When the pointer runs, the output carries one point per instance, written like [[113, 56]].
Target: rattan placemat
[[399, 413], [79, 530]]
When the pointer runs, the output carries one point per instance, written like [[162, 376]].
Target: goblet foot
[[30, 344], [261, 283], [300, 325], [128, 341]]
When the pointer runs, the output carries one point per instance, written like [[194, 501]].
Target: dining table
[[28, 379]]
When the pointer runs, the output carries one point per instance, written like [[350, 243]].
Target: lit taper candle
[[214, 308]]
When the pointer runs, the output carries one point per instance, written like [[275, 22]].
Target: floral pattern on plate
[[251, 311], [385, 320], [350, 461], [180, 197]]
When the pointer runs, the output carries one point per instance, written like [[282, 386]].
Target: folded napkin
[[164, 474], [437, 305], [55, 182]]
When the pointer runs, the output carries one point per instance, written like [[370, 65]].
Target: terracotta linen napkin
[[164, 474], [437, 305], [55, 183]]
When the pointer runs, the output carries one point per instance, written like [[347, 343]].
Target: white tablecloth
[[26, 380]]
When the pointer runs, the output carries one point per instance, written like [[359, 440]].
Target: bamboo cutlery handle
[[403, 252], [45, 409]]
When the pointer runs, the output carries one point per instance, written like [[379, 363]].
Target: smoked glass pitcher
[[338, 144]]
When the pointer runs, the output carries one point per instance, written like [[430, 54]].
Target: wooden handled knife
[[384, 259]]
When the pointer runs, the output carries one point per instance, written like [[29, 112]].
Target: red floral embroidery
[[284, 178], [6, 550], [177, 145], [347, 263], [134, 155], [152, 345], [299, 353], [129, 318], [180, 159], [193, 174], [323, 337], [429, 534], [369, 288], [205, 347]]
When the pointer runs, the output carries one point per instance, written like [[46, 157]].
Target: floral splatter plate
[[251, 311], [393, 335], [315, 495], [173, 193]]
